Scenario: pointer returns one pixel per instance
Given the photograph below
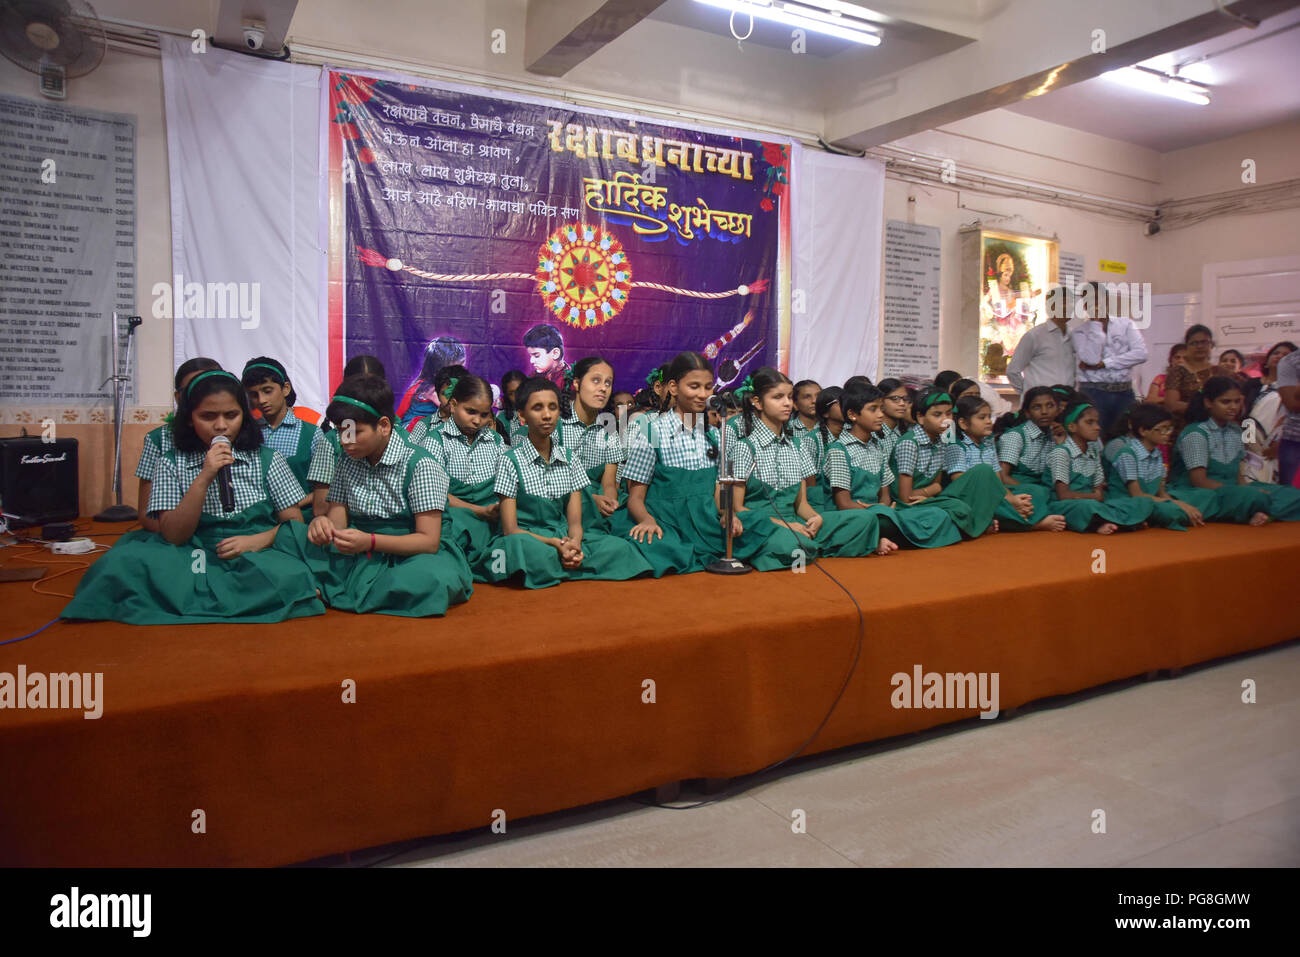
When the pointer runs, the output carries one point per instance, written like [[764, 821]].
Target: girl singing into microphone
[[207, 564]]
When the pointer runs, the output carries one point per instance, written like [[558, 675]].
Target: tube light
[[1153, 81], [810, 18]]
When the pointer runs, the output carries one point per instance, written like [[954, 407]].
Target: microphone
[[224, 489], [717, 404]]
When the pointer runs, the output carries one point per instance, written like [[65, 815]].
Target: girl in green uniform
[[671, 473], [1079, 481], [1207, 463], [158, 441], [896, 406], [507, 420], [542, 539], [1137, 468], [207, 564], [379, 546], [442, 380], [325, 454], [1022, 452], [774, 525], [271, 393], [590, 437], [975, 449], [830, 422], [803, 418], [469, 450], [972, 500], [858, 475]]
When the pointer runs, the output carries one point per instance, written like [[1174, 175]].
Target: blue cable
[[10, 641]]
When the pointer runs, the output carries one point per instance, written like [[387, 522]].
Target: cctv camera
[[1151, 228], [253, 36]]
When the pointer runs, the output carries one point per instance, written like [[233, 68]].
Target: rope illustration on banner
[[583, 275]]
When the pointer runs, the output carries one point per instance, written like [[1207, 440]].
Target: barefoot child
[[774, 525], [1078, 479], [1138, 467]]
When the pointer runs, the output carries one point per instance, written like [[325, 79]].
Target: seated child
[[378, 547], [207, 563], [543, 541]]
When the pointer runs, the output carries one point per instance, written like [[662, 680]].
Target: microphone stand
[[726, 565], [120, 378]]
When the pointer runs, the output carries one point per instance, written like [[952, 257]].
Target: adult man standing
[[1045, 354], [1108, 349]]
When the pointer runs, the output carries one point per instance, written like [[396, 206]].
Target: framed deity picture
[[1006, 276]]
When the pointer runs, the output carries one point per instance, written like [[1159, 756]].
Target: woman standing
[[1184, 381]]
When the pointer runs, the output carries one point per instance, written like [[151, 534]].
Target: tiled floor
[[1184, 771]]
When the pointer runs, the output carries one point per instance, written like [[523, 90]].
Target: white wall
[[1046, 151], [1216, 168]]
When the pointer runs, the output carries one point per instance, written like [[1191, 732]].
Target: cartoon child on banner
[[545, 348]]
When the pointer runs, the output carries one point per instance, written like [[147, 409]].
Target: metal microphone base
[[728, 566], [117, 513]]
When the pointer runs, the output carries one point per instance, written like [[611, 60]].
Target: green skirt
[[1227, 503], [1083, 514], [1283, 500], [971, 500], [1009, 520], [537, 565], [145, 580], [410, 586], [681, 501], [768, 546], [1163, 514]]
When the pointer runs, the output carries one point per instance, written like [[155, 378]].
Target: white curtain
[[243, 151], [838, 228]]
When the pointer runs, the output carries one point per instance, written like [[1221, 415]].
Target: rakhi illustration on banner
[[713, 348], [583, 275]]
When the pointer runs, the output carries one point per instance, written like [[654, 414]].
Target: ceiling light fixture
[[1153, 81], [829, 18]]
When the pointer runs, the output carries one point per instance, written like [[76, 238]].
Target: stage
[[524, 703]]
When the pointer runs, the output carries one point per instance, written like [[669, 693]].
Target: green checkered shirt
[[177, 471], [1133, 463], [465, 460], [1066, 460], [1202, 441], [324, 458], [777, 461], [380, 490], [1026, 446], [156, 442], [555, 478], [916, 454], [663, 438], [848, 454], [284, 437], [592, 445], [963, 454]]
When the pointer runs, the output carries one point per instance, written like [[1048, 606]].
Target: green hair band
[[934, 399], [449, 388], [656, 375], [1076, 412], [189, 389], [264, 365], [358, 403], [746, 387]]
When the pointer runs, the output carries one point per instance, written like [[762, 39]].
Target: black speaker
[[38, 480]]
